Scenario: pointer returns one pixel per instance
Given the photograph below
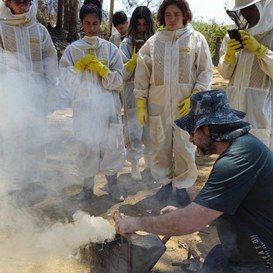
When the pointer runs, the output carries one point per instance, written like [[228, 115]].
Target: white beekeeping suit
[[96, 106], [136, 134], [170, 66], [29, 66], [116, 39], [251, 78]]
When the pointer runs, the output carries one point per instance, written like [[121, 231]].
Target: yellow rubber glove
[[142, 114], [83, 63], [99, 67], [131, 64], [252, 44], [233, 46], [185, 105]]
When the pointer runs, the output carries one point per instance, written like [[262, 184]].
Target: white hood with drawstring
[[28, 42], [18, 19]]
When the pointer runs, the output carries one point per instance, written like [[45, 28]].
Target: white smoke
[[62, 238], [29, 244], [25, 242], [23, 98]]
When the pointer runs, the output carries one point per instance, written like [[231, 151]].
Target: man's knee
[[216, 262]]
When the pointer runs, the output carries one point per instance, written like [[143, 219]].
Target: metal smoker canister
[[134, 254]]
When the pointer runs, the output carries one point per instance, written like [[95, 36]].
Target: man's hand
[[125, 225], [233, 46], [252, 44], [167, 209]]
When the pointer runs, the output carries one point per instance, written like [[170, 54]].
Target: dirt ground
[[63, 182]]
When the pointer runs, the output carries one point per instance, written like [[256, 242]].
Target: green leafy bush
[[214, 34]]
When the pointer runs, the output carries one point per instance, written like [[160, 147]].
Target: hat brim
[[235, 7], [191, 122]]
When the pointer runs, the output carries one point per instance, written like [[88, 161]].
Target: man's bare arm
[[178, 222]]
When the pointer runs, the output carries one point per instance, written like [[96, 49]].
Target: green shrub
[[214, 34]]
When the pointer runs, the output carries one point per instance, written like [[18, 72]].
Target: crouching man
[[238, 194]]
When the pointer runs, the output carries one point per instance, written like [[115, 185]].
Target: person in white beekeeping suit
[[120, 22], [29, 68], [173, 64], [248, 64], [91, 68], [141, 28]]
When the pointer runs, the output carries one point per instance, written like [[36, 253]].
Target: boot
[[164, 192], [135, 173], [114, 191], [87, 191], [182, 197]]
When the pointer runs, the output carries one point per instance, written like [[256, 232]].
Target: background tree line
[[61, 18]]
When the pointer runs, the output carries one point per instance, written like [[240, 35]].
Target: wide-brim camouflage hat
[[235, 5], [209, 107]]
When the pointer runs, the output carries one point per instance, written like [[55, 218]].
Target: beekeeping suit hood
[[266, 17], [18, 19], [265, 8]]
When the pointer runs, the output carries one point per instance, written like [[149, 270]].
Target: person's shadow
[[132, 187], [148, 206], [63, 206]]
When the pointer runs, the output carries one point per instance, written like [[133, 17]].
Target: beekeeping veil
[[265, 8], [18, 19]]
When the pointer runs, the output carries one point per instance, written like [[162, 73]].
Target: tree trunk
[[73, 16], [109, 27], [67, 15], [60, 12]]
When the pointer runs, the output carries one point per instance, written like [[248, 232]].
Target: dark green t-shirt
[[241, 186]]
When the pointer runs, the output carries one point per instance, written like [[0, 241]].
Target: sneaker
[[182, 197], [164, 192]]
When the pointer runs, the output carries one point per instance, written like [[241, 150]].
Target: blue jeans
[[217, 262]]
